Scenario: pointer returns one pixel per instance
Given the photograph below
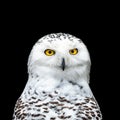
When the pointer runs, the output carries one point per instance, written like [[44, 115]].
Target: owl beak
[[63, 64]]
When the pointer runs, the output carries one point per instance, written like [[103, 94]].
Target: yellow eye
[[49, 52], [73, 51]]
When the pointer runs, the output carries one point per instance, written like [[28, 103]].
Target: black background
[[23, 29]]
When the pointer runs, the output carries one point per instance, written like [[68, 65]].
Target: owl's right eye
[[73, 51], [49, 52]]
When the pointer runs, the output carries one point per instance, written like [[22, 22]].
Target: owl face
[[62, 53]]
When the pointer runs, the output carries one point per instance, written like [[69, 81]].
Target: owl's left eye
[[49, 52], [73, 51]]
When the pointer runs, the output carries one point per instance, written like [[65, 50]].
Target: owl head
[[61, 54]]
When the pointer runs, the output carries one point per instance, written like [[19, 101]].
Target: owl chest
[[48, 105]]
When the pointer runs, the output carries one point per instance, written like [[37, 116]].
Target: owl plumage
[[58, 83]]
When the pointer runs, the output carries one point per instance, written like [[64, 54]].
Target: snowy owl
[[58, 82]]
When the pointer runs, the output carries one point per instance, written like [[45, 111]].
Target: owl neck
[[45, 79]]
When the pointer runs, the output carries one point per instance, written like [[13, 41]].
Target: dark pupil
[[72, 51], [49, 52]]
